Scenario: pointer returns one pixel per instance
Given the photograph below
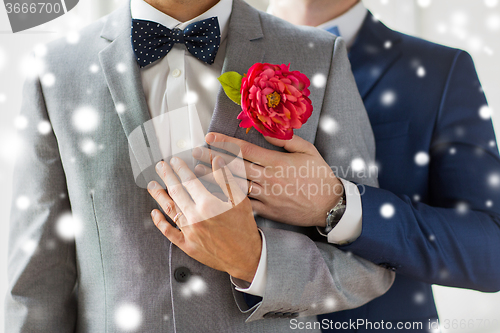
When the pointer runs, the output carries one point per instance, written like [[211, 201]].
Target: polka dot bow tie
[[152, 41]]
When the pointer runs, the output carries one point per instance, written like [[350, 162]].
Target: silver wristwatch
[[333, 216]]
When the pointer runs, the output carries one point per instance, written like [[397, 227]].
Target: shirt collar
[[141, 10], [348, 23]]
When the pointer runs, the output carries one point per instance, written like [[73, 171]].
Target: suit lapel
[[123, 78], [242, 51], [374, 52]]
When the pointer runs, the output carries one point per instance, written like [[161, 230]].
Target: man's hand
[[296, 188], [222, 235]]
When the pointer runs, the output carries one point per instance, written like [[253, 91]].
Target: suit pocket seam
[[102, 263]]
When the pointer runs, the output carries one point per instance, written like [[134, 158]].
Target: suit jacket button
[[182, 274], [294, 315], [269, 315], [287, 315]]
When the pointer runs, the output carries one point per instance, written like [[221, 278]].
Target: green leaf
[[231, 83]]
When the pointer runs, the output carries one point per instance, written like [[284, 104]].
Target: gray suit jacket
[[119, 261]]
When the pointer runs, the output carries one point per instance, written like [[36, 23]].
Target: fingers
[[295, 145], [238, 166], [242, 148], [162, 198], [189, 180], [220, 196], [173, 235], [206, 174], [226, 181], [175, 189]]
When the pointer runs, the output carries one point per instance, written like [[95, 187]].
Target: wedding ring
[[176, 217], [250, 187]]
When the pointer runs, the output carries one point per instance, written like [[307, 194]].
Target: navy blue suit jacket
[[425, 98]]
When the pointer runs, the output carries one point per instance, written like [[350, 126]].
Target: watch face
[[330, 220], [334, 217]]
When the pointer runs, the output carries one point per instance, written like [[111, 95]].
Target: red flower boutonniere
[[274, 100]]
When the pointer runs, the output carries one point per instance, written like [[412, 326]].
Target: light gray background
[[473, 25]]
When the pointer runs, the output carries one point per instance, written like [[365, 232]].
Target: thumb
[[295, 145]]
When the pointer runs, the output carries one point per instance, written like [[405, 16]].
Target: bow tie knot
[[178, 36], [152, 41]]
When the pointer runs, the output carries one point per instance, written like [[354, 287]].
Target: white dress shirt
[[181, 93], [348, 24]]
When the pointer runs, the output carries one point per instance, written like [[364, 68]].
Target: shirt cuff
[[258, 284], [350, 225]]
